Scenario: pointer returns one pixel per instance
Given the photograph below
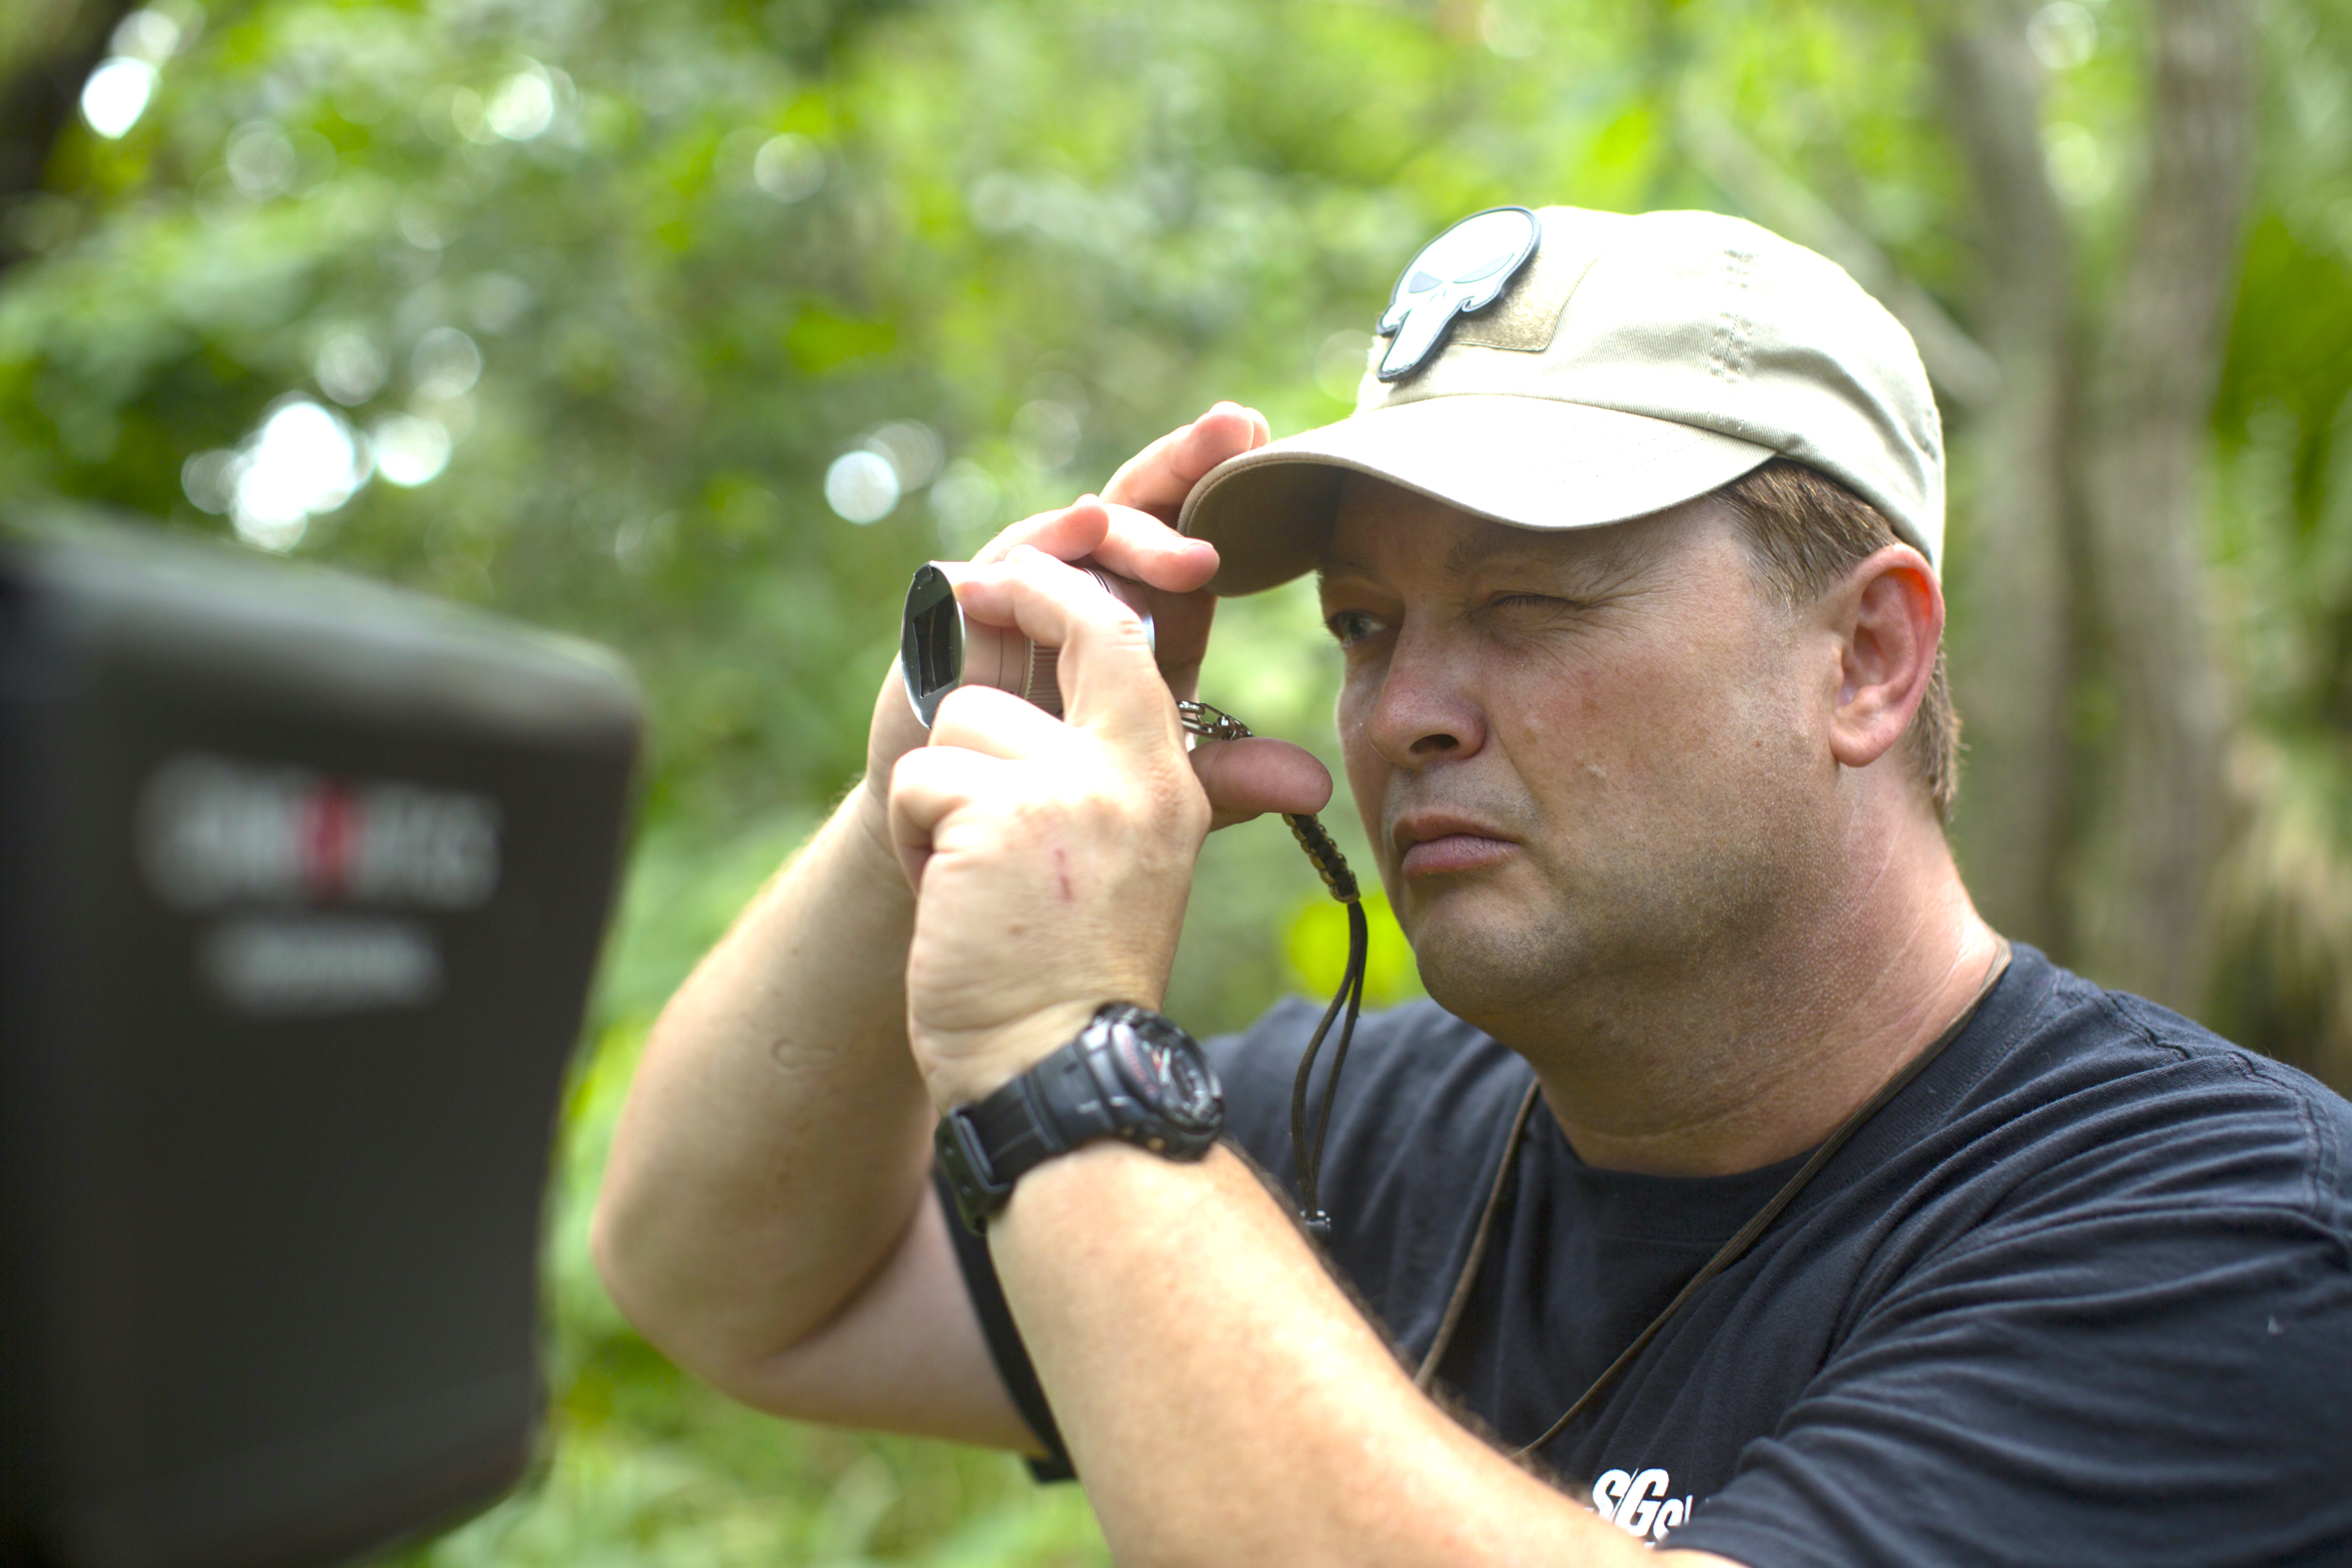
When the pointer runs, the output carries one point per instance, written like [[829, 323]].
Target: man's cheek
[[1624, 745], [1368, 780]]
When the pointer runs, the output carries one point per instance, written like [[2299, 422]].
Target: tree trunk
[[48, 49], [2151, 400], [2013, 664]]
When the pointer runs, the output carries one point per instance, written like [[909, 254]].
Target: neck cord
[[1347, 1003], [1729, 1254]]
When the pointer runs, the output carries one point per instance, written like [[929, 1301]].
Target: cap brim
[[1530, 462]]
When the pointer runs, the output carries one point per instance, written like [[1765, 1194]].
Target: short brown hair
[[1804, 532]]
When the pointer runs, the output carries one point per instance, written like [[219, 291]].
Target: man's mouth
[[1435, 844]]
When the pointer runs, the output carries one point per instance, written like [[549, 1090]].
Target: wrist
[[976, 1064]]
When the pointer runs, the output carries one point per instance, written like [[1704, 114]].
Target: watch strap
[[985, 1147], [1072, 1096], [1016, 1126]]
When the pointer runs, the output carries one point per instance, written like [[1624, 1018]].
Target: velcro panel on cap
[[1527, 314]]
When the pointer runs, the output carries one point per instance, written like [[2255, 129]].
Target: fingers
[[976, 725], [926, 785], [1072, 533], [1244, 779], [993, 723], [1140, 546], [1129, 528], [1157, 479], [1108, 679], [1120, 538]]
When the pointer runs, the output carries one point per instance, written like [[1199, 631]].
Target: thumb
[[1244, 779]]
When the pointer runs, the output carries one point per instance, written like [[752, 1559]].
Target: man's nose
[[1426, 710]]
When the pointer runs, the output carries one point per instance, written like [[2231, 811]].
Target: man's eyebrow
[[1609, 554], [1342, 566], [1466, 554], [1472, 550], [1462, 557], [1617, 554]]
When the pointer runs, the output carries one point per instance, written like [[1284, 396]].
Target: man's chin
[[1478, 963], [1469, 908]]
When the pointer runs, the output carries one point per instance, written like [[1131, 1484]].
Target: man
[[1630, 551]]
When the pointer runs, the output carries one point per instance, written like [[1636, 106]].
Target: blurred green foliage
[[646, 272]]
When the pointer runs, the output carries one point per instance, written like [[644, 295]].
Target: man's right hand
[[1130, 529]]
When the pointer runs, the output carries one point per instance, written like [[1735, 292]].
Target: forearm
[[1224, 1403], [776, 1137]]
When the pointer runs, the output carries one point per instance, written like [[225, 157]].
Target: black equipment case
[[302, 881]]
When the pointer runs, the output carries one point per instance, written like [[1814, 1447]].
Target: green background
[[747, 237]]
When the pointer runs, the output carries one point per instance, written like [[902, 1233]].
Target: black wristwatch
[[1129, 1074]]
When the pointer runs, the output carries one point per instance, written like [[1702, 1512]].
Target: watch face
[[1166, 1073]]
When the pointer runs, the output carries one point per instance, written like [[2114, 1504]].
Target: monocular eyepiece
[[941, 648]]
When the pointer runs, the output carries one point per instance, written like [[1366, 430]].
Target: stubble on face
[[1614, 703]]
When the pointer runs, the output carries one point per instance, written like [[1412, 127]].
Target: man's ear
[[1888, 617]]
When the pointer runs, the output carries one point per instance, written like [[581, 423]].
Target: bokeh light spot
[[417, 225], [499, 300], [410, 450], [1045, 433], [965, 499], [303, 461], [2062, 34], [1340, 363], [861, 487], [2079, 165], [789, 167], [349, 368], [452, 114], [639, 543], [148, 35], [445, 363], [210, 480], [261, 160], [523, 106], [116, 95], [912, 449], [1507, 32]]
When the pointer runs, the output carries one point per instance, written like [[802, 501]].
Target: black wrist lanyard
[[1729, 1254]]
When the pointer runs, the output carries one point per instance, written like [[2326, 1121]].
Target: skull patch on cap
[[1464, 269]]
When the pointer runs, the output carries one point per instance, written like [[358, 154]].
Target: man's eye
[[1531, 609], [1350, 626]]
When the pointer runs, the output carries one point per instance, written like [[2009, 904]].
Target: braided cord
[[1347, 1003]]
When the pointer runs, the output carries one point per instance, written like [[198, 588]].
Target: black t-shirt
[[2081, 1293]]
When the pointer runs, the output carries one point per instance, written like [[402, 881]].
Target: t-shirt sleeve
[[2143, 1376]]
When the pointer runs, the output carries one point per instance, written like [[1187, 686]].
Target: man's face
[[1591, 755]]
